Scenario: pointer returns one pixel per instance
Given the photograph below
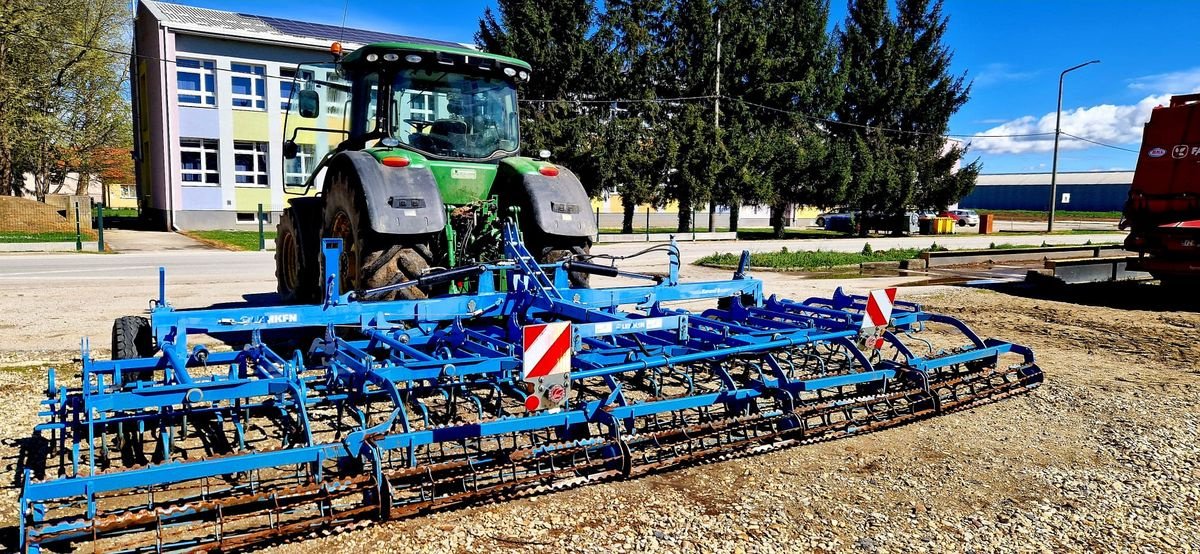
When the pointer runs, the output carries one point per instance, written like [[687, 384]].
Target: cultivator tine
[[424, 405]]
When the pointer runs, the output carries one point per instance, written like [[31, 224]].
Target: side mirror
[[290, 149], [310, 104]]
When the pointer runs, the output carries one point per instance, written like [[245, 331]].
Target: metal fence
[[57, 223]]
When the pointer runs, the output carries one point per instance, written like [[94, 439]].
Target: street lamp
[[1057, 131]]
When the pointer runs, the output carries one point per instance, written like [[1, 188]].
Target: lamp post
[[1057, 132]]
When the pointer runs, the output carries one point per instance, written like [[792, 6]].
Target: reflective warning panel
[[546, 363]]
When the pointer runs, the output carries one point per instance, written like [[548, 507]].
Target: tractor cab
[[440, 102], [409, 153]]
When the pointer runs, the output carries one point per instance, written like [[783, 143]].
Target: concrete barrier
[[1073, 271], [963, 257]]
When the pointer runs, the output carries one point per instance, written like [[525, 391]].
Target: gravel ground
[[1103, 457]]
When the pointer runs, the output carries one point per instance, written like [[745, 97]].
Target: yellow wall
[[250, 125], [247, 199], [112, 198]]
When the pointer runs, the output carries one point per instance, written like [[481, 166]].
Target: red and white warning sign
[[879, 308], [546, 363]]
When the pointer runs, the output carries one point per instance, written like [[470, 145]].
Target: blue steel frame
[[452, 338]]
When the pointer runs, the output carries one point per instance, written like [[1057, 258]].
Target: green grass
[[745, 233], [232, 240], [812, 259], [769, 234], [120, 212], [642, 230], [53, 236], [1060, 214]]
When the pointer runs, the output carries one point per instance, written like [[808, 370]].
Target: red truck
[[1163, 210]]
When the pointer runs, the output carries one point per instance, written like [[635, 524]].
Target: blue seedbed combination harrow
[[333, 416]]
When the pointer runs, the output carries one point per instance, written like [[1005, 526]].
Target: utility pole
[[712, 203], [1057, 132]]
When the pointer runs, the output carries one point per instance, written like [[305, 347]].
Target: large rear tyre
[[369, 259], [297, 279]]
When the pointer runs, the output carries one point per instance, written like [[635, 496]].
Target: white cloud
[[1107, 123], [1176, 82]]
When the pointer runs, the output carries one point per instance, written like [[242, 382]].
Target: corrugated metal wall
[[1089, 198]]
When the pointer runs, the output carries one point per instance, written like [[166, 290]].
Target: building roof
[[1064, 178], [258, 28]]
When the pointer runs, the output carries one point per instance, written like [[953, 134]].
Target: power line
[[876, 128], [1114, 147], [618, 100], [126, 53], [542, 101]]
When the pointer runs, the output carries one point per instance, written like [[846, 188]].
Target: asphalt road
[[48, 301]]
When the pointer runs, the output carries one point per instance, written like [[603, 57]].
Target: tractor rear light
[[549, 171], [396, 161]]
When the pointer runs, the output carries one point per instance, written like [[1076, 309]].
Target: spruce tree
[[899, 97], [638, 150], [689, 71], [556, 38]]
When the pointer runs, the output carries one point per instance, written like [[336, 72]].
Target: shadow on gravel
[[1129, 295], [251, 300]]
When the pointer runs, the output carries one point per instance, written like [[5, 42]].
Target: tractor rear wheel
[[369, 259], [561, 249], [296, 278]]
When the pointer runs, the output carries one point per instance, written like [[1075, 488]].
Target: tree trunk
[[733, 216], [712, 215], [685, 215], [778, 224], [82, 186], [627, 212]]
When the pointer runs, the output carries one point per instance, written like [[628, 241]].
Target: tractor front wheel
[[296, 278], [370, 259]]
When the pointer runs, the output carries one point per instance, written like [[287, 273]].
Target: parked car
[[966, 217], [820, 221]]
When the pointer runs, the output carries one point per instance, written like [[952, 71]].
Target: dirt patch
[[23, 215]]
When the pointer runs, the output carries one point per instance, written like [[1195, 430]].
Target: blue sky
[[1013, 49]]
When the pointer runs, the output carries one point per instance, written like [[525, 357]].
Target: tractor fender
[[557, 205], [400, 200]]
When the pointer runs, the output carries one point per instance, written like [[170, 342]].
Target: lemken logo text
[[282, 318]]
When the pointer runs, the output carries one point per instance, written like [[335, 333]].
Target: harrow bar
[[349, 411]]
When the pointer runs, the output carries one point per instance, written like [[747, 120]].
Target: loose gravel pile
[[1103, 457]]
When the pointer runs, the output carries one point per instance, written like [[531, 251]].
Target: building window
[[250, 163], [128, 192], [248, 86], [249, 217], [295, 170], [196, 82], [287, 82], [198, 160], [421, 105]]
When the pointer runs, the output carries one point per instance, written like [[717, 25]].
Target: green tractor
[[410, 153]]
